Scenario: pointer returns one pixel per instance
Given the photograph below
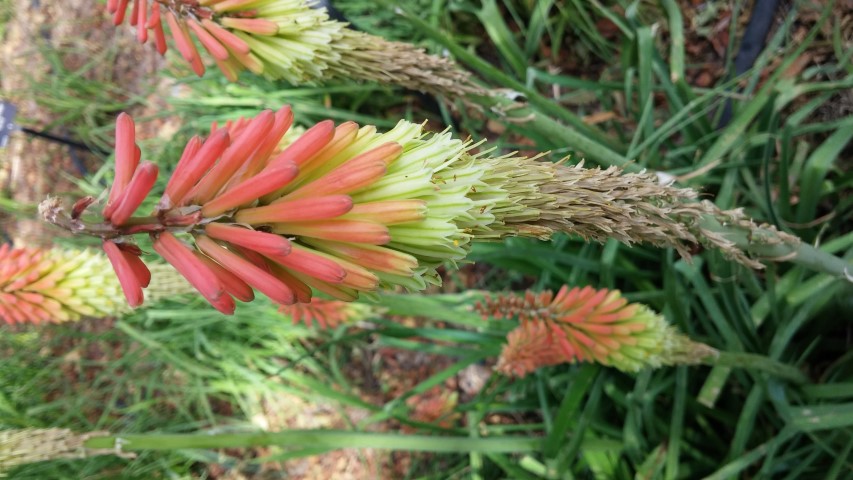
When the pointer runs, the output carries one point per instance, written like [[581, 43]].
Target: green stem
[[768, 244], [331, 439], [753, 361]]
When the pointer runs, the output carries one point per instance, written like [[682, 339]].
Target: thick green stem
[[771, 245], [331, 439], [753, 361]]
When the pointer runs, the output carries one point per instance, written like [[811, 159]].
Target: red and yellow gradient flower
[[327, 313], [581, 324], [292, 40], [52, 285], [56, 285], [341, 210], [346, 210]]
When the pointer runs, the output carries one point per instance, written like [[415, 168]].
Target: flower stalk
[[18, 447]]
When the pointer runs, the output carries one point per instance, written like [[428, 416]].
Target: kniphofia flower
[[582, 325], [328, 313], [284, 39], [346, 210], [57, 285]]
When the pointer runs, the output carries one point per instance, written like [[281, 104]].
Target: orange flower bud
[[265, 243], [258, 278], [127, 277], [139, 187], [315, 208]]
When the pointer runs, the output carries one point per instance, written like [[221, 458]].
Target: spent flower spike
[[293, 40], [346, 210]]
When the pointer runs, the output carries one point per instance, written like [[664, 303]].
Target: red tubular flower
[[198, 161], [194, 270], [125, 146], [253, 275], [315, 208], [260, 242], [230, 282], [127, 275], [250, 190], [136, 191]]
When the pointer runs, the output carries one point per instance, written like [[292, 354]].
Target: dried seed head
[[30, 445]]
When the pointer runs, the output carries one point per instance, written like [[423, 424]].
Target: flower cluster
[[223, 29], [57, 285], [340, 210], [327, 313], [285, 39], [52, 285], [580, 324], [345, 210]]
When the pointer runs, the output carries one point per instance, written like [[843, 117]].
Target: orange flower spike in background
[[528, 349], [580, 324], [55, 285], [328, 313]]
